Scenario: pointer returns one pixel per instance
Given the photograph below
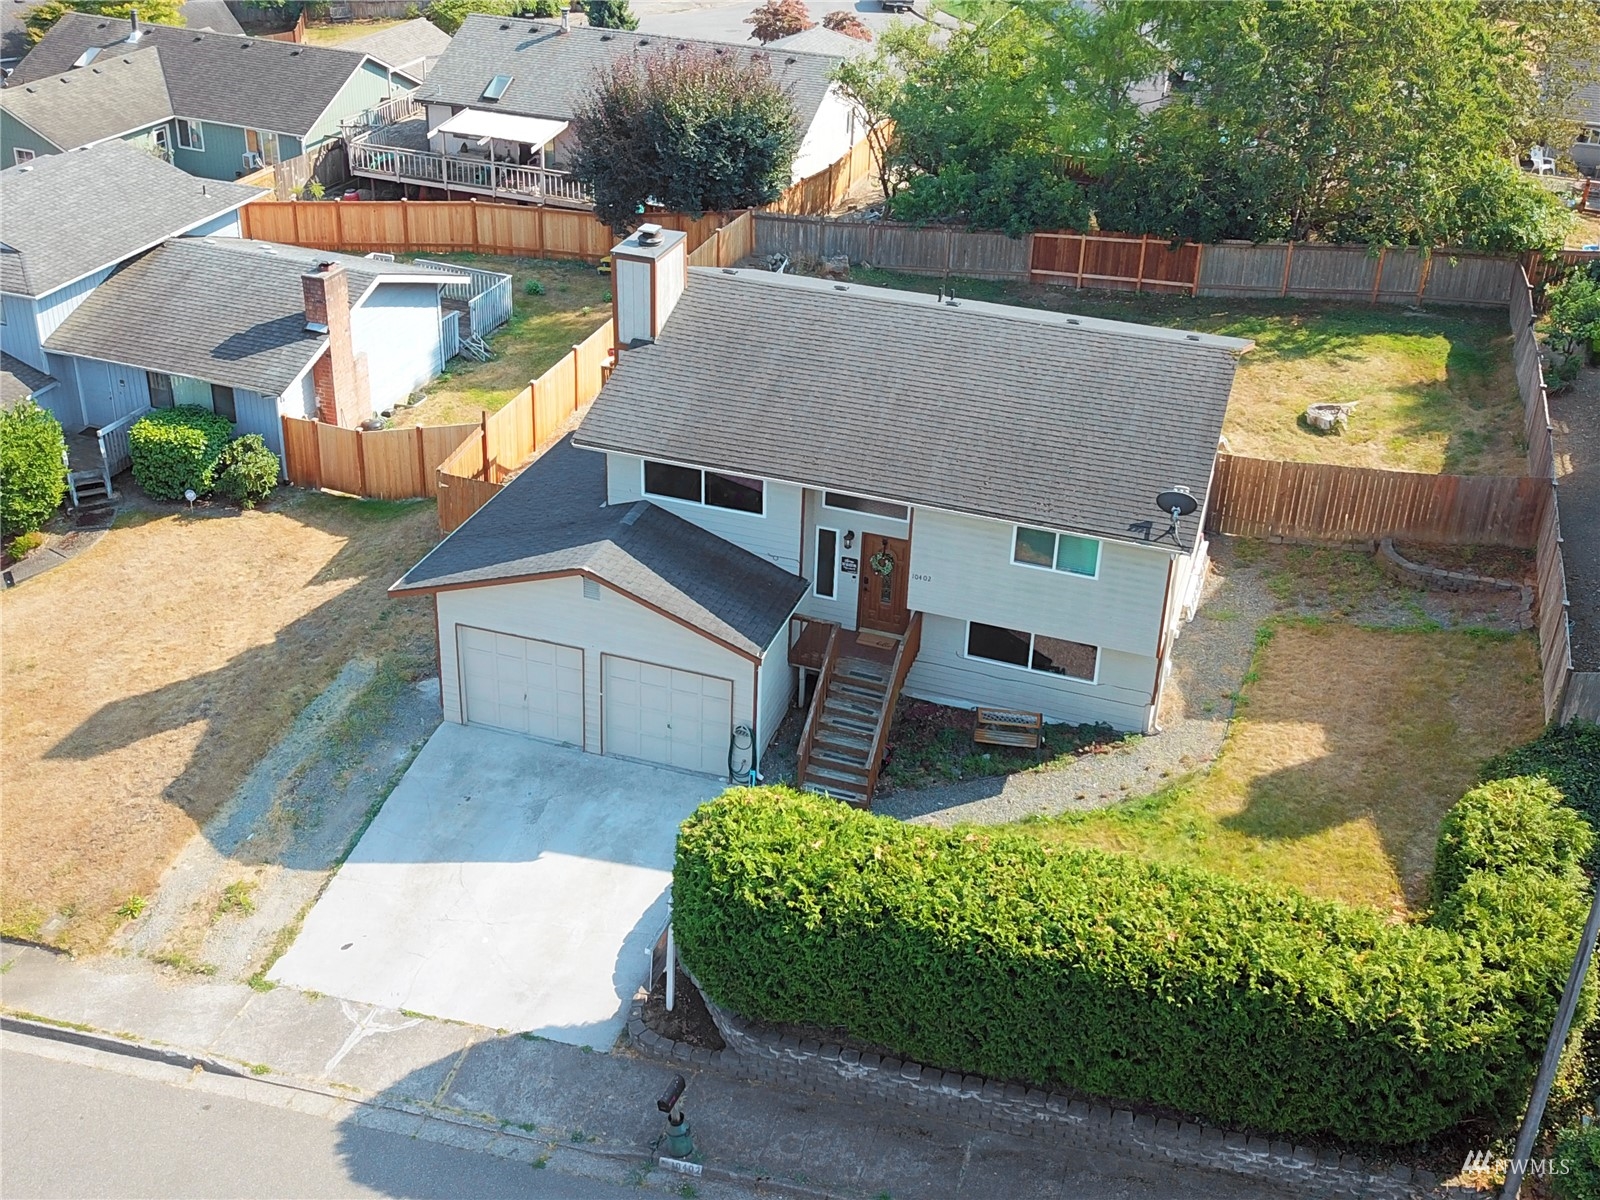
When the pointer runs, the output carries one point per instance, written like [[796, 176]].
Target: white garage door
[[679, 718], [522, 685]]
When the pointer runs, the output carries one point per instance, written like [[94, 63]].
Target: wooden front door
[[885, 573]]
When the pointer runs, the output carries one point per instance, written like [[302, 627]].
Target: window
[[21, 155], [1056, 551], [189, 136], [222, 402], [1033, 651], [740, 493], [827, 563], [860, 504], [497, 87], [160, 389]]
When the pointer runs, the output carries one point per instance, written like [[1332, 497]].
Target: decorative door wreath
[[882, 563]]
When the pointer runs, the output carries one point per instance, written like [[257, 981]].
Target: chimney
[[649, 270], [340, 377], [134, 32], [566, 20]]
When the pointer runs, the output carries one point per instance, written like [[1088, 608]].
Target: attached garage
[[661, 715], [520, 684]]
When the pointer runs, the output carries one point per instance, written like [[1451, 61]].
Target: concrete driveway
[[506, 882]]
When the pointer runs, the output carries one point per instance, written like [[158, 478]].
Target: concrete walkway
[[558, 1100]]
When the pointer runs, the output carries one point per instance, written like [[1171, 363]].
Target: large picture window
[[1033, 651], [1056, 551], [189, 135], [739, 493]]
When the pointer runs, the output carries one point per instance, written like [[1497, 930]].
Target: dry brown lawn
[[1349, 749], [144, 678]]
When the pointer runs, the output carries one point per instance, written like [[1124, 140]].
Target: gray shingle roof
[[1586, 104], [1019, 414], [18, 380], [411, 45], [114, 95], [210, 14], [63, 216], [818, 40], [552, 71], [230, 79], [553, 519], [220, 309]]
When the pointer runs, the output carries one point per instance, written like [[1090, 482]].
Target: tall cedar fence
[[385, 464]]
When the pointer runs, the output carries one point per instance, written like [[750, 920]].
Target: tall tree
[[848, 24], [157, 12], [695, 131], [610, 14]]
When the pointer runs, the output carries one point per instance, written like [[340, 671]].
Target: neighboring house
[[19, 382], [412, 47], [213, 104], [256, 331], [496, 109], [69, 222], [972, 485], [1585, 152], [818, 40]]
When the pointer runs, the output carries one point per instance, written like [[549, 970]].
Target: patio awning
[[475, 123]]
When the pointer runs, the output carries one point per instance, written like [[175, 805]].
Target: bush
[[533, 287], [1505, 825], [1569, 757], [1577, 1164], [33, 477], [247, 471], [176, 449], [1250, 1004], [18, 548]]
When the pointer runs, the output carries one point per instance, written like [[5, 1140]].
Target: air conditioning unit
[[252, 162]]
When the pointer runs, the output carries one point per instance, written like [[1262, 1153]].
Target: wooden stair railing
[[808, 735], [905, 654]]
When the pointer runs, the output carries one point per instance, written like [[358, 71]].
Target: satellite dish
[[1179, 502]]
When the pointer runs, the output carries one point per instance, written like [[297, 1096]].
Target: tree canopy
[[610, 14], [694, 131], [156, 12]]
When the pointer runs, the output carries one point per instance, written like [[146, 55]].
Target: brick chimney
[[339, 375]]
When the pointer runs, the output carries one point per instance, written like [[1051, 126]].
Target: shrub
[[1568, 756], [33, 477], [992, 952], [247, 471], [176, 449], [18, 548], [1505, 825], [533, 287], [1577, 1164]]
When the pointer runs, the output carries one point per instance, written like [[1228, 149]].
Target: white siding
[[774, 535], [943, 674], [834, 130], [777, 686], [631, 279], [556, 610], [63, 399], [847, 588], [438, 114], [19, 333], [397, 328], [961, 567]]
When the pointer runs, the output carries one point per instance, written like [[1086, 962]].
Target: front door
[[885, 573]]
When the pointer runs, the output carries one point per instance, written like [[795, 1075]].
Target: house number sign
[[850, 565]]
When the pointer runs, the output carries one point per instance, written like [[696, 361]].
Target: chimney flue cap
[[649, 235]]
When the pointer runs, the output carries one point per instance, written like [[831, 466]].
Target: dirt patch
[[688, 1021], [932, 744], [1496, 562], [145, 678]]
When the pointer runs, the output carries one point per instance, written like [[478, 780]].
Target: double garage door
[[658, 714]]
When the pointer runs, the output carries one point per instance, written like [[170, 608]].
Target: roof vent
[[683, 45], [729, 271], [649, 235], [1074, 321], [605, 37], [87, 57], [841, 287], [644, 41], [134, 32], [1194, 337], [245, 45], [790, 61], [292, 53], [566, 20]]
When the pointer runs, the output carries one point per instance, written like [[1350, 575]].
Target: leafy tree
[[449, 14], [875, 84], [779, 18], [1573, 309], [33, 477], [694, 131], [1559, 44], [154, 12], [610, 14], [848, 24]]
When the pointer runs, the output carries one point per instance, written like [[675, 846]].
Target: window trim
[[816, 566], [21, 154], [190, 136], [1099, 551], [645, 491], [966, 643], [826, 492]]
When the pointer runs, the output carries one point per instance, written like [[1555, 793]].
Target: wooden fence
[[728, 245], [326, 164], [1114, 260], [1322, 502], [386, 464], [824, 191], [509, 439], [913, 249]]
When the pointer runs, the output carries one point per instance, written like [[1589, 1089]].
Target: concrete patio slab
[[506, 882]]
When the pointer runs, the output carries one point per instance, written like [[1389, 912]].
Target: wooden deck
[[400, 153]]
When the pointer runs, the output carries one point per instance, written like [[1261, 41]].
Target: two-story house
[[215, 105], [789, 477]]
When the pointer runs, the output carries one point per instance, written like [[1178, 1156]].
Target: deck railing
[[391, 112], [449, 335], [488, 294], [538, 184], [904, 655], [115, 454], [808, 733]]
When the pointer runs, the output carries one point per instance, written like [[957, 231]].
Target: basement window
[[497, 87], [739, 493], [1033, 651]]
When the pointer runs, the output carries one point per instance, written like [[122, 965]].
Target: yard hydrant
[[677, 1142]]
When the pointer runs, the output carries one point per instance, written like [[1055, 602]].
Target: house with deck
[[215, 105], [796, 488], [494, 116]]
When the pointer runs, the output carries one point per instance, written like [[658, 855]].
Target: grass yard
[[144, 678], [576, 302], [1349, 746], [1436, 387], [344, 31]]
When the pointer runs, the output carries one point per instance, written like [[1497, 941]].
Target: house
[[412, 47], [953, 500], [494, 116], [213, 104], [71, 221], [1585, 152]]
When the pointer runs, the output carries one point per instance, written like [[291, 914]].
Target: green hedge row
[[33, 477], [1246, 1004], [176, 450]]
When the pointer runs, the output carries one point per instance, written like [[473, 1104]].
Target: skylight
[[87, 57], [497, 87]]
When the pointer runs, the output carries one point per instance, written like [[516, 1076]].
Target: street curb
[[112, 1044]]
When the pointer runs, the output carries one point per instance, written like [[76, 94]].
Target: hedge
[[175, 450], [247, 471], [1576, 1170], [1569, 757], [33, 477], [989, 951]]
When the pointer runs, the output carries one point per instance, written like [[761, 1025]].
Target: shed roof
[[553, 519], [232, 79], [220, 309], [410, 46], [1019, 414], [113, 95], [68, 215], [18, 380], [552, 71]]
